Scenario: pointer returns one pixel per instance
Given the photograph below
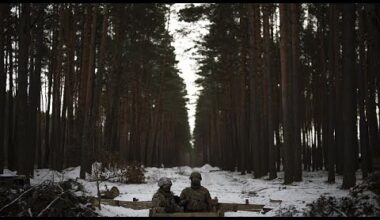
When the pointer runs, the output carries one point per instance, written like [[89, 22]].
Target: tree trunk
[[373, 67], [69, 148], [362, 81], [333, 23], [254, 118], [88, 119], [56, 140], [11, 121], [35, 87], [349, 113], [286, 85], [48, 144], [295, 75], [268, 79], [114, 85], [101, 71], [22, 96], [3, 78]]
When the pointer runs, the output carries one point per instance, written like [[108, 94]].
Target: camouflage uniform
[[196, 198], [164, 201]]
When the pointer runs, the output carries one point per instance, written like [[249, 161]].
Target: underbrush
[[111, 168], [48, 199]]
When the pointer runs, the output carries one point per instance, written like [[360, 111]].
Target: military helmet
[[164, 181], [196, 174]]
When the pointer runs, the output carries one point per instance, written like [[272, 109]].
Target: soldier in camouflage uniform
[[196, 198], [163, 200]]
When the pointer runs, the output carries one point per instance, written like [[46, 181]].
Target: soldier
[[196, 198], [163, 200]]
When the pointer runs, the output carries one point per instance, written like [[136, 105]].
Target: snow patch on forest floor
[[227, 186]]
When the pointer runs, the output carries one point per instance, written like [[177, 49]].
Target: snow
[[227, 186], [115, 211], [7, 172]]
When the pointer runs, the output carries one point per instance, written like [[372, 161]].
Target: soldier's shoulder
[[204, 189], [157, 194], [185, 190]]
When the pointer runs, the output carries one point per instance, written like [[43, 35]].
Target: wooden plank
[[138, 205], [236, 206], [275, 200], [187, 214], [153, 213]]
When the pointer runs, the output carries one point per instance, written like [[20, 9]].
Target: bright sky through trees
[[186, 62]]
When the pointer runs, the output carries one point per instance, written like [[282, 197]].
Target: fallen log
[[138, 205]]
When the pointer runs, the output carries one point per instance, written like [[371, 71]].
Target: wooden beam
[[138, 205]]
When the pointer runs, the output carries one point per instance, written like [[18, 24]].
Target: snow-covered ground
[[225, 185]]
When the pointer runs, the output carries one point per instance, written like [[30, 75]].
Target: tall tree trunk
[[3, 78], [56, 141], [101, 70], [268, 79], [22, 96], [88, 119], [48, 144], [295, 75], [322, 89], [349, 113], [69, 87], [373, 67], [83, 99], [254, 119], [333, 62], [35, 87], [84, 84], [240, 87], [362, 81], [114, 86], [11, 138], [339, 134], [286, 85]]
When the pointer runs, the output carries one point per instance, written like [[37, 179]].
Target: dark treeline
[[289, 87], [78, 81]]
